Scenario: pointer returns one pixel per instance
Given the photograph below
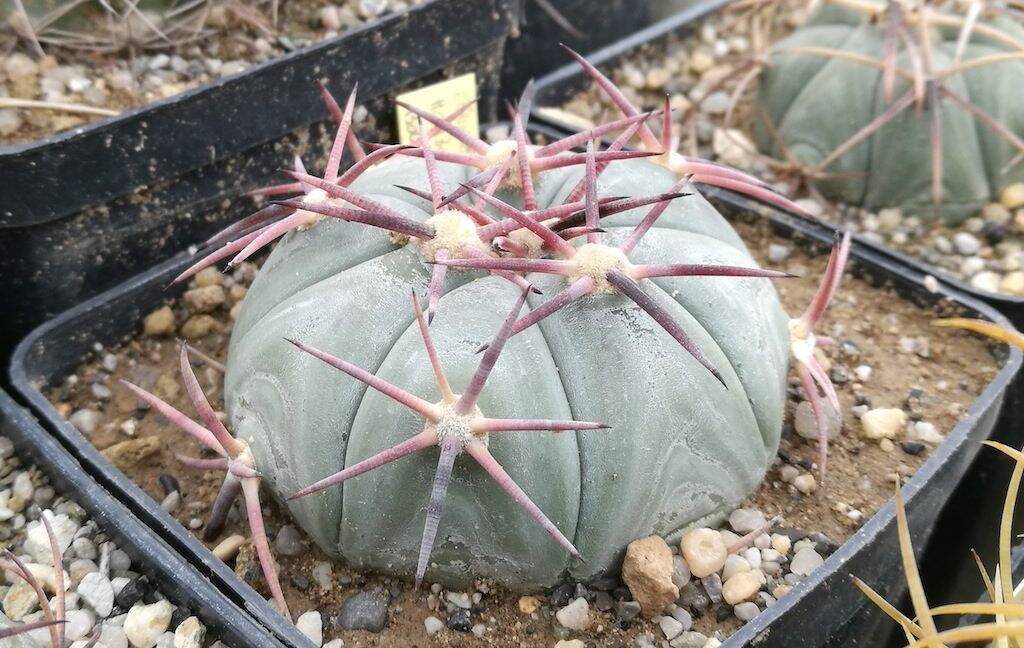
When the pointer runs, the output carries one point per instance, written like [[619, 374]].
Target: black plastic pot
[[806, 618], [106, 319], [554, 89], [182, 582], [533, 49], [826, 609], [86, 209]]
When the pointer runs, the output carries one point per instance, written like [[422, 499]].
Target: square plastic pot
[[809, 616], [88, 208], [185, 584]]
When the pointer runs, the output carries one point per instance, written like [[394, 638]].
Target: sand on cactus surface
[[886, 357]]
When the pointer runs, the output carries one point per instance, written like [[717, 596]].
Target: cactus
[[101, 26], [891, 107], [655, 351]]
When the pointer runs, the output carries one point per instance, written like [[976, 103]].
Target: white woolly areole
[[595, 260], [453, 425], [309, 218], [454, 232], [801, 340], [534, 243]]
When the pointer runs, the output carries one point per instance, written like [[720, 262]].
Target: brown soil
[[860, 475]]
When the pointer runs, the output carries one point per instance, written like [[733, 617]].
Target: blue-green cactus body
[[681, 448], [817, 103]]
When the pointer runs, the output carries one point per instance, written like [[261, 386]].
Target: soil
[[935, 382], [701, 73], [121, 73]]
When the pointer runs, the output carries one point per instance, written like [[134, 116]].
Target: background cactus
[[890, 107], [682, 447], [101, 26]]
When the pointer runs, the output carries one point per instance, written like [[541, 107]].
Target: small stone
[[805, 483], [647, 571], [781, 543], [364, 611], [129, 453], [199, 326], [86, 420], [171, 502], [788, 473], [204, 299], [778, 253], [335, 643], [37, 540], [112, 636], [713, 587], [329, 18], [742, 586], [460, 621], [1012, 197], [208, 277], [690, 640], [20, 600], [745, 520], [966, 243], [191, 632], [701, 61], [746, 611], [670, 627], [433, 625], [863, 373], [159, 323], [78, 623], [734, 564], [704, 551], [528, 604], [1012, 283], [886, 445], [311, 624], [680, 572], [883, 423], [805, 561], [806, 425], [228, 547], [97, 592], [288, 541], [925, 432], [733, 147], [626, 611], [84, 548], [570, 643], [912, 447], [575, 616], [372, 8], [716, 103], [131, 593], [459, 599], [988, 281], [146, 623]]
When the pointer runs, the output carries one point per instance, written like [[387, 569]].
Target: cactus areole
[[912, 109]]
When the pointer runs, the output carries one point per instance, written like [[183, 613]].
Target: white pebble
[[575, 616], [97, 592], [145, 624], [670, 627], [433, 625], [311, 624], [883, 423], [805, 561]]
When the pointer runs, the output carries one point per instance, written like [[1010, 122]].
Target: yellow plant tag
[[442, 99]]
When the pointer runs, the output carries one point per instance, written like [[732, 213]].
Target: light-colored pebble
[[805, 561], [883, 423], [742, 586], [97, 592], [311, 624], [145, 624], [575, 616], [433, 625], [190, 633], [704, 551]]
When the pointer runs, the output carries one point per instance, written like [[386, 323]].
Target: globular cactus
[[115, 25], [655, 350], [886, 106]]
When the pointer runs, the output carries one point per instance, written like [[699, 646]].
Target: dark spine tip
[[482, 348], [536, 290]]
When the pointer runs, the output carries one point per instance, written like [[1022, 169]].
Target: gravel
[[364, 611]]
